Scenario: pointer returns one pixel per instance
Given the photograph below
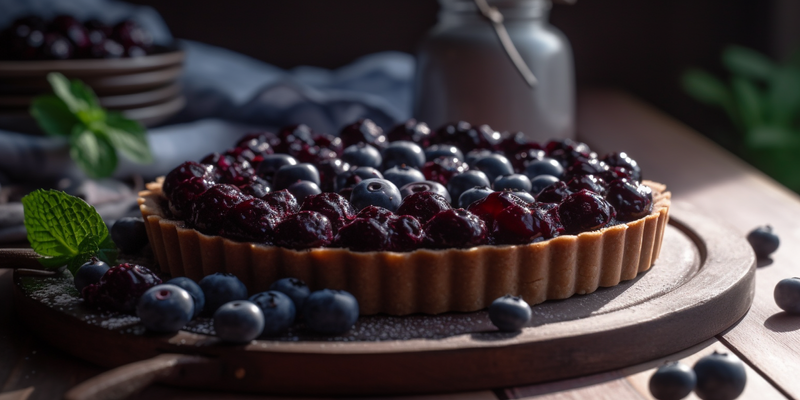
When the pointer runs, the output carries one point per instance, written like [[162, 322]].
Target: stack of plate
[[145, 89]]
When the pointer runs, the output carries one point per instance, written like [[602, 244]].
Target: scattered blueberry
[[509, 313], [363, 155], [720, 376], [194, 290], [546, 166], [220, 288], [238, 321], [278, 309], [402, 175], [129, 234], [672, 381], [494, 165], [402, 152], [296, 289], [512, 181], [165, 308], [331, 312], [541, 182], [472, 195], [90, 273], [376, 192], [289, 174], [787, 295], [764, 241]]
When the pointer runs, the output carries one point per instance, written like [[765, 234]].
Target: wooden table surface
[[697, 171]]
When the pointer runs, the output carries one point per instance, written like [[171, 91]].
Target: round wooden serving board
[[702, 284]]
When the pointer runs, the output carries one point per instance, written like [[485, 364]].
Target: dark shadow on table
[[783, 322]]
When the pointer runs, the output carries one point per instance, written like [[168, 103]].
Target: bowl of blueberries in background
[[118, 61]]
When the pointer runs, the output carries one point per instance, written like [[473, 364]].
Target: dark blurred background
[[639, 46]]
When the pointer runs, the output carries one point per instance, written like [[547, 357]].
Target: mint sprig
[[66, 230], [95, 135]]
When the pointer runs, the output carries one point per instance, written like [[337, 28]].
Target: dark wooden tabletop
[[698, 173]]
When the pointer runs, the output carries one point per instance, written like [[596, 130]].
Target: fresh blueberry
[[463, 182], [302, 189], [376, 192], [426, 186], [545, 166], [403, 152], [354, 176], [363, 155], [238, 321], [672, 381], [472, 195], [194, 290], [787, 295], [509, 313], [494, 165], [475, 155], [513, 181], [417, 132], [331, 312], [272, 163], [437, 150], [289, 174], [90, 273], [764, 241], [220, 288], [129, 234], [278, 309], [523, 195], [296, 289], [542, 182], [720, 376], [165, 308], [402, 175]]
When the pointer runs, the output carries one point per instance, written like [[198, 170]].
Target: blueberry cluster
[[717, 376], [64, 37], [458, 186]]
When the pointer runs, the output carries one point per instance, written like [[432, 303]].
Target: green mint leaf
[[128, 137], [59, 227], [53, 115], [92, 152], [83, 92], [63, 89], [86, 250], [747, 63], [783, 96], [749, 101], [708, 89], [107, 251]]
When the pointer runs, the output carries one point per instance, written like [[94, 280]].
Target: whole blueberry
[[437, 150], [289, 174], [672, 381], [376, 192], [90, 273], [220, 288], [474, 155], [403, 152], [296, 289], [494, 165], [545, 166], [354, 176], [238, 321], [331, 312], [787, 295], [764, 241], [194, 290], [509, 313], [129, 234], [402, 175], [513, 181], [426, 186], [472, 195], [165, 308], [720, 376], [462, 182], [278, 309], [523, 195], [362, 154], [272, 163], [417, 132], [302, 189], [542, 182]]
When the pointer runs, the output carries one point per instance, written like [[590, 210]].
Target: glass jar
[[464, 73]]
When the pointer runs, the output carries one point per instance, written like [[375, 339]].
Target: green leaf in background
[[63, 89], [749, 102], [92, 152], [707, 89], [53, 115], [783, 96], [129, 137], [63, 228], [747, 62], [765, 137]]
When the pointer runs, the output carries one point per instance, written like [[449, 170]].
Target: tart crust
[[421, 281]]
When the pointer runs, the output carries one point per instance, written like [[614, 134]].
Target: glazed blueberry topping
[[282, 202], [405, 233], [455, 228], [328, 171], [289, 174], [330, 312], [521, 225], [72, 30], [362, 154], [488, 207], [632, 200], [301, 135], [129, 234], [238, 321], [252, 220], [272, 163], [509, 313], [258, 187], [402, 175], [513, 142], [302, 189], [555, 193], [719, 376], [278, 309], [364, 234], [621, 159], [523, 195], [183, 173], [260, 147], [379, 214], [304, 230], [210, 209], [330, 142], [165, 308], [463, 182], [541, 182], [672, 381], [90, 273], [443, 169], [443, 150], [354, 176], [296, 289], [585, 211], [402, 152], [425, 186], [467, 137], [545, 166], [589, 182], [228, 170], [335, 207], [131, 36], [194, 290], [363, 131], [220, 288], [494, 165], [376, 192], [764, 241], [120, 288], [411, 130], [423, 205], [472, 195], [591, 166], [185, 194], [512, 181], [786, 293], [521, 158]]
